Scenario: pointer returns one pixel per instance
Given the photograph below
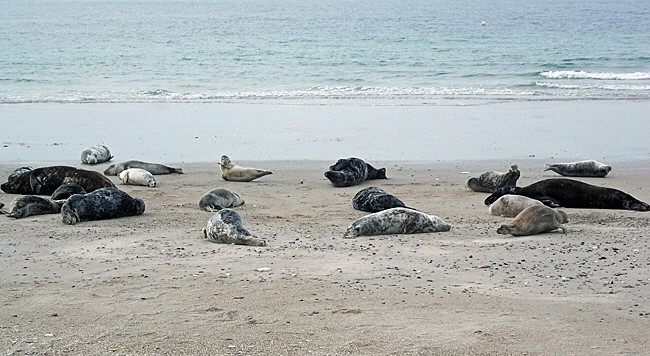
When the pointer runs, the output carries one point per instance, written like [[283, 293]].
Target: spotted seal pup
[[64, 191], [510, 205], [137, 176], [569, 193], [105, 203], [153, 168], [489, 182], [45, 180], [218, 199], [588, 168], [235, 173], [226, 227], [28, 205], [396, 221], [373, 199], [96, 154], [347, 172], [535, 220]]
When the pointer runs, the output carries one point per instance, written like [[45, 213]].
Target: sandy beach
[[151, 285]]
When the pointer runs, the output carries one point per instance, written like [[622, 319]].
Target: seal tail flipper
[[547, 167], [408, 207], [178, 170]]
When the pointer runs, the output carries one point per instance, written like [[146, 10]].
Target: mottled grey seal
[[96, 154], [588, 168], [373, 199], [396, 221], [45, 180], [347, 172], [569, 193], [17, 172], [153, 168], [28, 205], [235, 173], [64, 191], [218, 199], [226, 227], [105, 203], [510, 205], [489, 182], [137, 176], [535, 220]]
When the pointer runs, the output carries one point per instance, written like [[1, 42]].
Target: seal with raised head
[[535, 220], [588, 168], [96, 154], [235, 173], [510, 205], [101, 204], [373, 199], [569, 193], [45, 180], [218, 199], [226, 227], [153, 168], [396, 221], [489, 182], [137, 176], [28, 205], [64, 191], [347, 172]]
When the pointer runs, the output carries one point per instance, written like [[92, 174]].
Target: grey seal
[[153, 168], [489, 182], [96, 154], [64, 191], [105, 203], [45, 180], [373, 199], [137, 176], [218, 199], [28, 205], [226, 227], [396, 221], [510, 205], [347, 172], [588, 168], [535, 220], [234, 173]]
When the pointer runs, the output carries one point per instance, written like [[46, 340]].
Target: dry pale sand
[[151, 285]]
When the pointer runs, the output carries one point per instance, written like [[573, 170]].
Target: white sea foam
[[569, 74]]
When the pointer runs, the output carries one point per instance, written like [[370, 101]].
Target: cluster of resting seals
[[153, 168], [45, 180]]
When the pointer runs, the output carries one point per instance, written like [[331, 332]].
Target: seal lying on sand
[[105, 203], [589, 168], [45, 180], [535, 220], [64, 191], [96, 154], [396, 221], [137, 176], [373, 199], [568, 193], [510, 205], [153, 168], [347, 172], [489, 182], [226, 227], [28, 205], [235, 173], [218, 199]]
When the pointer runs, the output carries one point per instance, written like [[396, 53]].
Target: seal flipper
[[637, 206], [548, 201]]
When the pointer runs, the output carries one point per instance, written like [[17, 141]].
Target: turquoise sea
[[246, 50]]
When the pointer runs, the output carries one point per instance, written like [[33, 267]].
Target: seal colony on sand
[[28, 205], [396, 221], [589, 168], [535, 220], [489, 182], [64, 191], [96, 154], [153, 168], [137, 176], [101, 204], [226, 227], [45, 180], [347, 172], [373, 199], [568, 193], [510, 205], [235, 173], [220, 198]]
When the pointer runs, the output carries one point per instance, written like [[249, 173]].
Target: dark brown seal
[[45, 180]]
